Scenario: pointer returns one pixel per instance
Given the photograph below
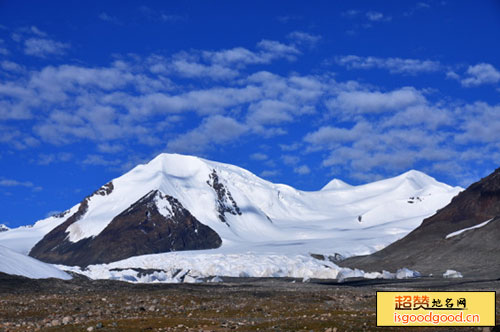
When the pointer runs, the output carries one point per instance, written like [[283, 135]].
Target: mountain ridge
[[252, 214], [431, 248]]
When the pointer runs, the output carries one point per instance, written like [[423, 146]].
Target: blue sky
[[296, 93]]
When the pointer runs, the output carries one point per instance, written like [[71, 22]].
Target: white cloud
[[259, 156], [158, 15], [351, 13], [47, 159], [304, 37], [334, 136], [44, 47], [269, 50], [288, 18], [423, 5], [480, 124], [270, 112], [452, 75], [11, 66], [269, 173], [374, 16], [194, 69], [375, 101], [290, 147], [33, 29], [431, 117], [213, 130], [354, 127], [109, 148], [393, 65], [15, 183], [290, 159], [108, 18], [304, 169], [482, 73], [275, 49], [98, 160], [3, 49]]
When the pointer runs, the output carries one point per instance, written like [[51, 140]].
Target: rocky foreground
[[235, 305]]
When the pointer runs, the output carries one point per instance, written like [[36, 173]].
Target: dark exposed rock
[[105, 190], [62, 214], [140, 229], [475, 252], [225, 201], [336, 258], [3, 228]]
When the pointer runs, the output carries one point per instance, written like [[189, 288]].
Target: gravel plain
[[237, 304]]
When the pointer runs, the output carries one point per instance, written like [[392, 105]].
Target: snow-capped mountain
[[3, 228], [463, 236], [248, 213]]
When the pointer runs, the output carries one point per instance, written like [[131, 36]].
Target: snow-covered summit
[[3, 228], [252, 214], [336, 184]]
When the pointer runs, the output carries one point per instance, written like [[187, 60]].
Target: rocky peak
[[225, 201], [104, 190], [153, 224], [489, 185]]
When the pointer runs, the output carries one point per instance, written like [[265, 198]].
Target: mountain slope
[[12, 262], [463, 236], [155, 223], [251, 214]]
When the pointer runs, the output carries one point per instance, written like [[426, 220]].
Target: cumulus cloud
[[269, 173], [482, 73], [49, 158], [333, 136], [375, 16], [268, 50], [213, 130], [98, 160], [290, 159], [108, 18], [416, 134], [302, 37], [259, 156], [361, 129], [376, 101], [44, 47], [302, 170], [11, 66], [372, 15], [393, 65], [14, 183], [430, 116], [193, 69], [350, 13], [3, 49], [481, 123]]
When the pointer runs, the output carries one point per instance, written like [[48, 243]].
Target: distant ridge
[[464, 236]]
